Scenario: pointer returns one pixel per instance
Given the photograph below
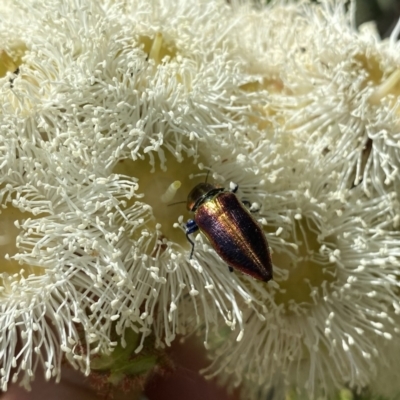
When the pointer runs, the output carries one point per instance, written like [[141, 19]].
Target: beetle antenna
[[208, 173], [178, 202]]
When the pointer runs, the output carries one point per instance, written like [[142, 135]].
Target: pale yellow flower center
[[309, 273], [160, 189], [157, 48], [384, 83], [9, 62]]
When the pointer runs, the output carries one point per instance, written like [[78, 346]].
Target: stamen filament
[[170, 192]]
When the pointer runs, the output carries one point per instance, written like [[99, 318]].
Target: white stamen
[[385, 87], [170, 192], [156, 47]]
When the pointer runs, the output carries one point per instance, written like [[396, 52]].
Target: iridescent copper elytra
[[230, 228]]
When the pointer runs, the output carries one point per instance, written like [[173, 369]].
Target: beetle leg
[[252, 207], [191, 227], [246, 203], [192, 243], [233, 187], [230, 268]]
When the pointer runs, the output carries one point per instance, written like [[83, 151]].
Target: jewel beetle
[[230, 228]]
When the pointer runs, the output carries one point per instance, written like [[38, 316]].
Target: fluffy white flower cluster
[[112, 110]]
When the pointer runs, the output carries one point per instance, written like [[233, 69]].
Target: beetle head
[[197, 194]]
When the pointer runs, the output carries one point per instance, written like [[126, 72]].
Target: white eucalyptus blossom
[[334, 87], [333, 204], [111, 111], [105, 107], [336, 279], [62, 269]]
